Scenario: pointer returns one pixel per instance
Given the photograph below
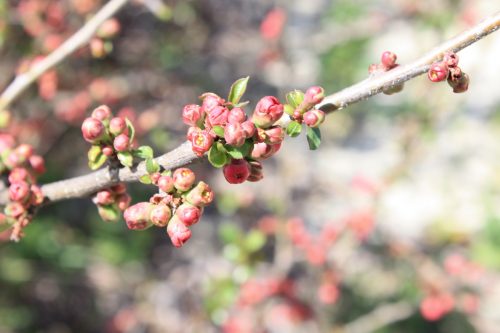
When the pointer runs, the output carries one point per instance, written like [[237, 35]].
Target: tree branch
[[80, 38], [84, 185]]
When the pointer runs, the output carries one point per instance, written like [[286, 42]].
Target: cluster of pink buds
[[111, 201], [101, 45], [22, 166], [387, 62], [111, 138], [301, 109], [178, 205], [447, 69]]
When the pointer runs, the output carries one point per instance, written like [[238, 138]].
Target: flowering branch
[[84, 185], [80, 38]]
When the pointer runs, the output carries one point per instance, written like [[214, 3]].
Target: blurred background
[[393, 225]]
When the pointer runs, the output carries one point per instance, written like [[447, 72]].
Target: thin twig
[[80, 38], [90, 183]]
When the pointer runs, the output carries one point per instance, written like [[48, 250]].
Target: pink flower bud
[[36, 195], [201, 195], [201, 142], [93, 130], [6, 141], [178, 232], [314, 95], [234, 134], [137, 216], [267, 111], [117, 126], [192, 131], [237, 171], [262, 150], [451, 59], [101, 113], [166, 184], [13, 160], [104, 197], [123, 201], [218, 116], [388, 59], [109, 28], [24, 150], [183, 179], [155, 177], [119, 188], [236, 115], [438, 72], [210, 101], [193, 115], [274, 135], [20, 175], [256, 172], [14, 209], [19, 191], [160, 215], [188, 213], [37, 164], [314, 118], [121, 142], [249, 128]]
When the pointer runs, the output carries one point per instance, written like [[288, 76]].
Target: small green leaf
[[144, 152], [94, 152], [254, 241], [167, 173], [217, 155], [126, 158], [313, 137], [289, 110], [146, 179], [237, 90], [109, 213], [241, 104], [97, 162], [219, 131], [240, 152], [152, 166], [293, 129], [294, 98], [131, 130]]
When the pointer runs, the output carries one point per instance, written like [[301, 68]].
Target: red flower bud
[[314, 95], [188, 213], [267, 111], [121, 142], [237, 171], [388, 59], [37, 163], [218, 116], [119, 188], [201, 142], [108, 151], [93, 130], [36, 195], [19, 191], [262, 150], [256, 172], [451, 59], [210, 101], [20, 175], [274, 135], [102, 113], [160, 215], [193, 115], [24, 150], [236, 115], [314, 118], [117, 126], [438, 72], [123, 201], [249, 128], [166, 184], [137, 216], [234, 134], [104, 197], [178, 232], [183, 179], [201, 195], [459, 84]]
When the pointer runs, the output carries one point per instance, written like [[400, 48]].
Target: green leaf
[[294, 98], [237, 90], [152, 166], [217, 155], [131, 130], [126, 158], [219, 131], [146, 179], [241, 104], [293, 129], [144, 152], [254, 241], [240, 152], [94, 152], [289, 110], [109, 213], [97, 162], [313, 137]]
